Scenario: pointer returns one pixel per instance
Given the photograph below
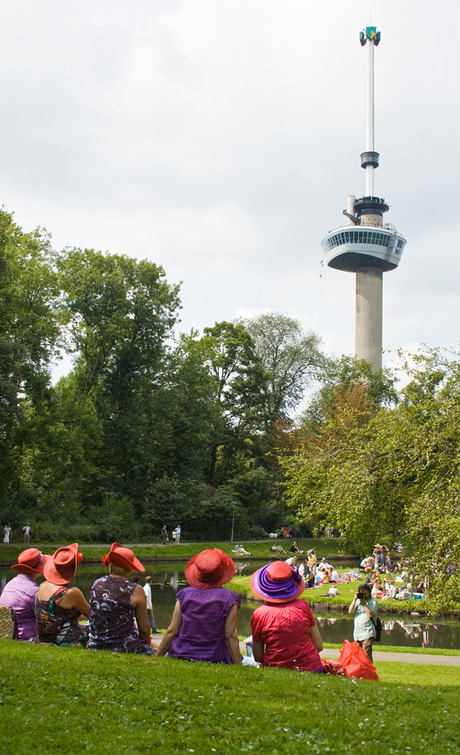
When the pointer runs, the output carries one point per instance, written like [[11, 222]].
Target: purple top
[[19, 593], [202, 632], [111, 617]]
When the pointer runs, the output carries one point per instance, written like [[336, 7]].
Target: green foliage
[[291, 360], [30, 325], [392, 474]]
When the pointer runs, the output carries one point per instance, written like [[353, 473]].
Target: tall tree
[[290, 357], [30, 330]]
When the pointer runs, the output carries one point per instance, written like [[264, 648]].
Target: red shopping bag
[[356, 663], [332, 667]]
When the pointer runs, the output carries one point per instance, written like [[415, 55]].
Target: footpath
[[429, 660]]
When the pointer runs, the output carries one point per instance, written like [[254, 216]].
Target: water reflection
[[168, 578]]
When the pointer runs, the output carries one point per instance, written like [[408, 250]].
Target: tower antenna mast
[[365, 246]]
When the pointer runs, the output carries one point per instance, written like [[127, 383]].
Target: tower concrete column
[[368, 323]]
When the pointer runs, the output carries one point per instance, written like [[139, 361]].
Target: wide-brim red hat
[[123, 557], [277, 583], [62, 566], [210, 568], [31, 562]]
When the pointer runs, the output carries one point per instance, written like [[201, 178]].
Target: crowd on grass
[[119, 613]]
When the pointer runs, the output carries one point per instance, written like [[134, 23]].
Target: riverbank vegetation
[[72, 700]]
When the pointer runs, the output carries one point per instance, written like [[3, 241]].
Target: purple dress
[[19, 593], [202, 632], [111, 617]]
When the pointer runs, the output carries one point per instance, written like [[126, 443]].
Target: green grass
[[68, 700], [258, 549]]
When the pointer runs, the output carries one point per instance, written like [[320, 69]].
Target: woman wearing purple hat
[[203, 625], [284, 630], [19, 594]]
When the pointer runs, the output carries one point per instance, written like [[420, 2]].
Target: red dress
[[284, 630]]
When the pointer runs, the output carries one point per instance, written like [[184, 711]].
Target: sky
[[221, 139]]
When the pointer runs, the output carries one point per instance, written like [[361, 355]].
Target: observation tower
[[366, 245]]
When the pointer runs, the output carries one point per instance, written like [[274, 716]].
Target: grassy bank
[[257, 549], [317, 597], [68, 700]]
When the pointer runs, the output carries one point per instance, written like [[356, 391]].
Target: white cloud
[[221, 140]]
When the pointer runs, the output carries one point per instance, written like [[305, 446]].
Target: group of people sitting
[[204, 622]]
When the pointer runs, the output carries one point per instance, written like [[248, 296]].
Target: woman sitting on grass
[[116, 603], [284, 631], [203, 625], [58, 607], [20, 592]]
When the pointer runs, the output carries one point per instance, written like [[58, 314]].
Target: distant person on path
[[203, 626], [19, 593], [27, 529], [6, 534], [116, 604], [164, 535], [285, 531], [58, 607], [148, 595], [177, 531], [366, 609], [284, 630]]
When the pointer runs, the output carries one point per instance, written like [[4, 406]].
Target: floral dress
[[56, 624], [111, 617]]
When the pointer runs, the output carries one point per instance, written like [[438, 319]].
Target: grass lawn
[[258, 549], [69, 700]]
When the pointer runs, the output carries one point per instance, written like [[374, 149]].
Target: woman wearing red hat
[[284, 631], [203, 626], [117, 604], [20, 592], [58, 610]]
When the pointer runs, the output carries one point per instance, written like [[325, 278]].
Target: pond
[[168, 578]]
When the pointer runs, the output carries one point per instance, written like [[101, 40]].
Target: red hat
[[210, 568], [62, 565], [277, 583], [123, 557], [31, 562]]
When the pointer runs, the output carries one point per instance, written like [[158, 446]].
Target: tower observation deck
[[365, 245]]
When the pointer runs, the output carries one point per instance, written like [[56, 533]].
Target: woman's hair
[[121, 571], [365, 586]]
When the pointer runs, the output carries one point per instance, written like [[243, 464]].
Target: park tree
[[228, 353], [291, 360], [391, 474], [31, 320]]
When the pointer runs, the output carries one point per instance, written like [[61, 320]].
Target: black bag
[[378, 629]]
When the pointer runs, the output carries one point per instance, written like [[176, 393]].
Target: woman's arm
[[352, 608], [231, 636], [139, 603], [258, 651], [316, 638], [74, 598], [172, 631]]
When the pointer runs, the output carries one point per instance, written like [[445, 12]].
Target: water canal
[[168, 578]]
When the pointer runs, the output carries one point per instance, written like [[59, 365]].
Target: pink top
[[284, 629], [19, 593]]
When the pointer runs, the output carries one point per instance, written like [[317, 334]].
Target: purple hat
[[277, 583]]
